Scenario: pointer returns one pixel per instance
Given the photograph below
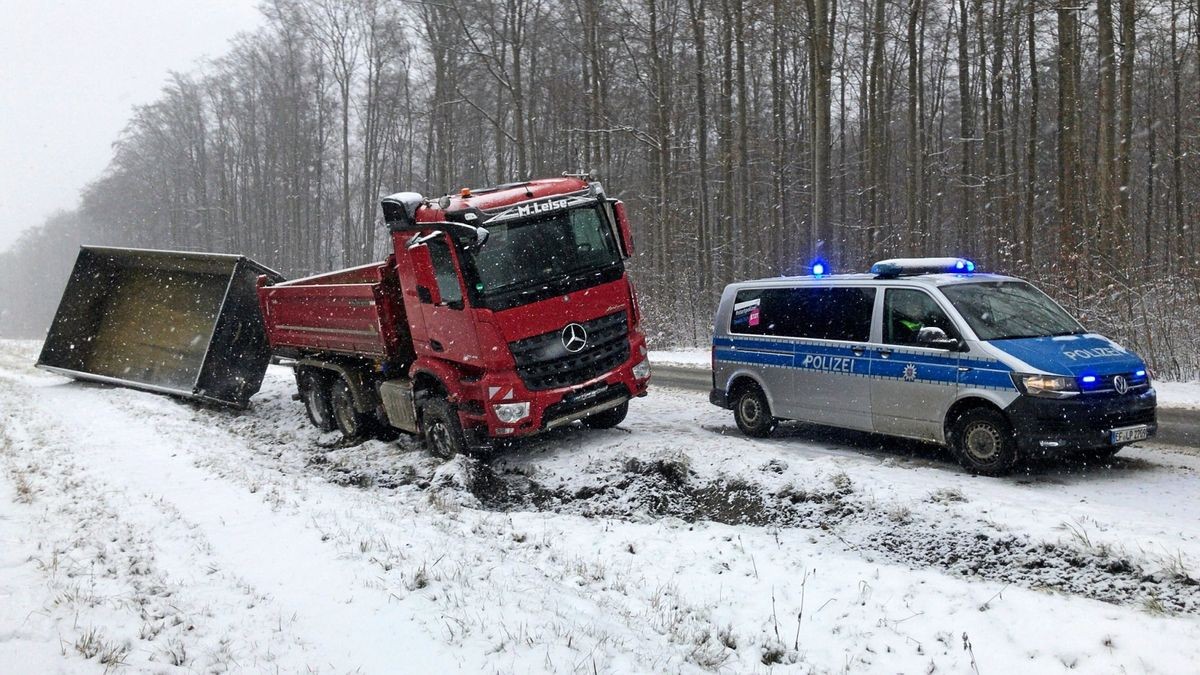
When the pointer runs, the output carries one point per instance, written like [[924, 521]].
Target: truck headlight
[[511, 412], [1046, 386], [641, 371]]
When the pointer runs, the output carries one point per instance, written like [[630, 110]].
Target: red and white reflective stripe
[[500, 393]]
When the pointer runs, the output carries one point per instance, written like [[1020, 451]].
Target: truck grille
[[543, 361]]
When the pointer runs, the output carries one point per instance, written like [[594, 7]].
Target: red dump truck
[[501, 313]]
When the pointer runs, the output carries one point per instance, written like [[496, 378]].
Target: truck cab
[[502, 312]]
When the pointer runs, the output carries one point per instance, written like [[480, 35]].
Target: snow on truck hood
[[1071, 354]]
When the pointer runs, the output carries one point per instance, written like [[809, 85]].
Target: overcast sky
[[71, 72]]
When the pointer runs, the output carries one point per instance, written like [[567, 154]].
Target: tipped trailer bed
[[173, 322]]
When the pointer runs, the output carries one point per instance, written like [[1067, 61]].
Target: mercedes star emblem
[[1120, 384], [574, 337]]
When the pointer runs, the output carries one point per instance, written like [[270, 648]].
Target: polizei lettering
[[540, 207], [839, 364], [1093, 353]]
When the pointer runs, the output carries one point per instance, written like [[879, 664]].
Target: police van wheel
[[753, 414], [983, 442]]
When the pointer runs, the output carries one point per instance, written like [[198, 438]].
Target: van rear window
[[819, 313]]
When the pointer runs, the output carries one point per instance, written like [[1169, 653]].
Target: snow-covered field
[[141, 532]]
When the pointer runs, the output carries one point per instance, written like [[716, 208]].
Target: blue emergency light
[[819, 268], [897, 267]]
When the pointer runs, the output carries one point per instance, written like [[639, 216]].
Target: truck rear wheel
[[315, 395], [983, 442], [355, 426], [607, 419], [441, 430]]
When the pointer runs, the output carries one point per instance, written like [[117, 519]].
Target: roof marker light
[[896, 267]]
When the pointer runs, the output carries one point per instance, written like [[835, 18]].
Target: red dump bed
[[357, 311]]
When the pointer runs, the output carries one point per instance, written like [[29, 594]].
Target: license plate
[[1129, 434]]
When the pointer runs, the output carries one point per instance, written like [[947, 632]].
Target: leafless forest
[[1059, 141]]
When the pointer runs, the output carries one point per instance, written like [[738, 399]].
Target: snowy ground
[[1170, 394], [143, 531]]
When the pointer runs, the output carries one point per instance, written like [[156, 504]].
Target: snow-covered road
[[139, 530]]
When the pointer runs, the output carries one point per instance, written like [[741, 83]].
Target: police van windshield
[[1005, 310]]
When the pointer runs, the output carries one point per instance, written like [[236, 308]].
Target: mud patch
[[641, 489], [648, 488]]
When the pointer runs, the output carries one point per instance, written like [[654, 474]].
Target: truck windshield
[[1005, 310], [540, 250]]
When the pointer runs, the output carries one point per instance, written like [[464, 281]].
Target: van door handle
[[857, 351], [964, 369], [436, 346], [885, 353]]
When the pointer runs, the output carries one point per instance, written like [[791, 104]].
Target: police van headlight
[[511, 412], [1046, 386], [641, 371]]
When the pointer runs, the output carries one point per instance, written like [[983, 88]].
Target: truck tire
[[441, 430], [752, 412], [315, 396], [607, 419], [983, 442], [355, 426]]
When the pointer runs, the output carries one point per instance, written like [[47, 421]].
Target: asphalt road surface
[[1176, 426]]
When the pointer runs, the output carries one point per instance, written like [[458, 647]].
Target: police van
[[926, 348]]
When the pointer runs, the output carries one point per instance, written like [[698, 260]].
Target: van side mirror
[[932, 336], [623, 227], [422, 264]]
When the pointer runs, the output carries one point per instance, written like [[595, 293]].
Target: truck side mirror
[[422, 264], [623, 227]]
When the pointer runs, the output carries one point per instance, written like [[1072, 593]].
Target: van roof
[[873, 280]]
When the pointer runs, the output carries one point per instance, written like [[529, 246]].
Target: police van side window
[[807, 312], [906, 311], [762, 311], [837, 313]]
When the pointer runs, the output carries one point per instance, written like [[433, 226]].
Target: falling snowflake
[[910, 372]]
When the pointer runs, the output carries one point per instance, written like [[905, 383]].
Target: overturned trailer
[[180, 323]]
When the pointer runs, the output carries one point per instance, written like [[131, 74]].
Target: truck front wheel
[[355, 426], [315, 396], [441, 430]]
